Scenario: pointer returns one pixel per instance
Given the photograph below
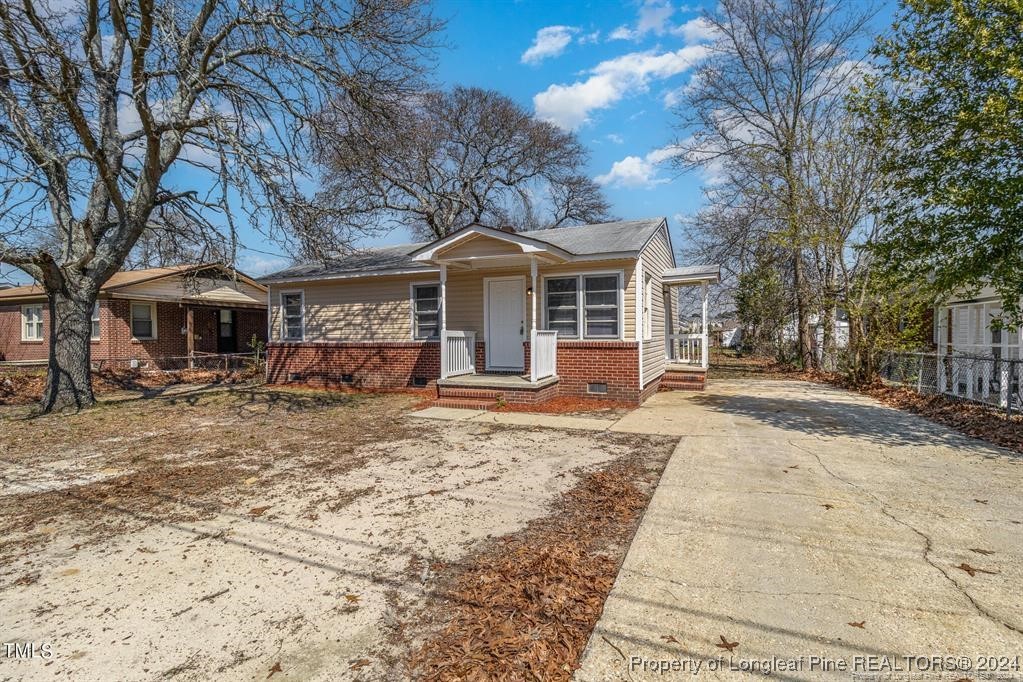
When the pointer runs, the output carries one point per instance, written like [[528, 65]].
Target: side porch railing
[[457, 354], [544, 348], [687, 349]]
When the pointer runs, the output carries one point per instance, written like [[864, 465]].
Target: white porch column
[[532, 326], [443, 321], [704, 349]]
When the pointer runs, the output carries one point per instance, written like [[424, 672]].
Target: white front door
[[506, 323]]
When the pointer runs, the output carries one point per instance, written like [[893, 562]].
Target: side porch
[[686, 349]]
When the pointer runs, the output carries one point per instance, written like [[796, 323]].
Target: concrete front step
[[466, 403], [684, 376]]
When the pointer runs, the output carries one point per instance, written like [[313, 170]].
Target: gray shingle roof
[[583, 240]]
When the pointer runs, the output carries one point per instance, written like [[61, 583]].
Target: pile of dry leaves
[[24, 388], [525, 608], [979, 421]]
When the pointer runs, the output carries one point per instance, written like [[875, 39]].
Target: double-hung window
[[426, 311], [94, 334], [600, 306], [32, 323], [143, 320], [562, 303], [292, 316], [584, 306]]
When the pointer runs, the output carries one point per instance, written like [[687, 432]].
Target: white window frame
[[412, 310], [95, 318], [648, 307], [581, 300], [37, 325], [131, 320], [283, 323]]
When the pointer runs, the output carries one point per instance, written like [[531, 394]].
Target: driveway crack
[[928, 543]]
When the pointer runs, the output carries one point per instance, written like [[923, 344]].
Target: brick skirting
[[394, 365]]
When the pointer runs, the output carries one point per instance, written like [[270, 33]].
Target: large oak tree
[[122, 116], [443, 160]]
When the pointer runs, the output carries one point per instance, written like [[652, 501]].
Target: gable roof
[[623, 239], [126, 278]]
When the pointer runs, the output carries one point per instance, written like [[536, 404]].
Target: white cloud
[[569, 106], [638, 172], [697, 30], [550, 41], [614, 137], [589, 38], [258, 264], [653, 18]]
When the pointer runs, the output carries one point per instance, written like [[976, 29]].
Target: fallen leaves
[[276, 668], [828, 506], [973, 570], [862, 624], [725, 644], [525, 608], [361, 663], [258, 511], [670, 639], [352, 598], [985, 552]]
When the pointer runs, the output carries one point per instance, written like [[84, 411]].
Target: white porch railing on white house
[[457, 353], [543, 347], [687, 349]]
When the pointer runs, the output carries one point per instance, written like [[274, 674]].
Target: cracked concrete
[[792, 514]]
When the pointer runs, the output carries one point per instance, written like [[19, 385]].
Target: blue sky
[[609, 71]]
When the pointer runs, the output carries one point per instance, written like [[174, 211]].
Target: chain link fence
[[976, 378]]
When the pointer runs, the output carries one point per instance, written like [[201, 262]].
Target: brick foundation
[[393, 365], [370, 365]]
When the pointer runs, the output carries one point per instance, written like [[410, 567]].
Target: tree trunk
[[804, 342], [68, 374]]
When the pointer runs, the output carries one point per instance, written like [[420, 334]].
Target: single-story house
[[489, 314], [972, 350], [143, 318]]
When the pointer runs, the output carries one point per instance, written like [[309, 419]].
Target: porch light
[[529, 291]]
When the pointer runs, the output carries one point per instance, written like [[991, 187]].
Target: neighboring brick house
[[145, 317], [487, 315]]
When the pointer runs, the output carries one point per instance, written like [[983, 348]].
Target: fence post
[[920, 376]]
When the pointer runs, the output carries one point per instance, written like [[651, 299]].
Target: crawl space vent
[[419, 381], [596, 388]]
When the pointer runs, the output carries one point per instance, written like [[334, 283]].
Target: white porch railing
[[687, 349], [457, 353], [543, 347]]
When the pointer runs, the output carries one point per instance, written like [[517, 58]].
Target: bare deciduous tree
[[115, 113], [775, 70], [444, 160]]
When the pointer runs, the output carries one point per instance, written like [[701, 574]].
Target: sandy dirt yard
[[253, 533]]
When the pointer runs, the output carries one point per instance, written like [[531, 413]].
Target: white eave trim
[[527, 244], [700, 274]]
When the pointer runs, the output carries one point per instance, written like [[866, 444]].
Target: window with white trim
[[426, 311], [143, 321], [31, 323], [584, 306], [648, 308], [292, 315], [94, 334], [600, 306], [561, 301]]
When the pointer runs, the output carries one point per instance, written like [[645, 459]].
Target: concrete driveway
[[797, 521]]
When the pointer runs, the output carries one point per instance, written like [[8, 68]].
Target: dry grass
[[179, 458]]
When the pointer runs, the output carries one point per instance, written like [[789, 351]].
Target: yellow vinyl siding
[[369, 309], [480, 247], [378, 308], [656, 259]]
